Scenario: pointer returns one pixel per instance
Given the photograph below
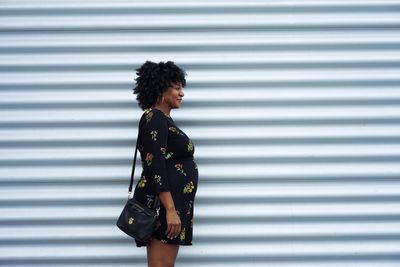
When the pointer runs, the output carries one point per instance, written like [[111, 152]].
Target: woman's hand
[[173, 224], [173, 220]]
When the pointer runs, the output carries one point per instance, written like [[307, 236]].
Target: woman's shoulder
[[150, 114]]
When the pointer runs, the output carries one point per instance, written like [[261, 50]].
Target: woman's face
[[174, 95]]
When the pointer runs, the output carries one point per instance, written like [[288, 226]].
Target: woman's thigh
[[160, 254]]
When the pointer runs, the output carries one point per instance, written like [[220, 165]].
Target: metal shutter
[[293, 107]]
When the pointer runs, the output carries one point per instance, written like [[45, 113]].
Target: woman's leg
[[160, 254]]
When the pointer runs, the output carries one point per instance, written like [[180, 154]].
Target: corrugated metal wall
[[293, 107]]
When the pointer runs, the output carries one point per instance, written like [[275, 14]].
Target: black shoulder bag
[[138, 220]]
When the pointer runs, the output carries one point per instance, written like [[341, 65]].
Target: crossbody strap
[[157, 199], [133, 165]]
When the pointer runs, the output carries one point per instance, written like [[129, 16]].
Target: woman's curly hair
[[154, 79]]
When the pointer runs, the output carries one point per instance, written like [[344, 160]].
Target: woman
[[169, 169]]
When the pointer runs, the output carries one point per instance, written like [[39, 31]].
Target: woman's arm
[[173, 220]]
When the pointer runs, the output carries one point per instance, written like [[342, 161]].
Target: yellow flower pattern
[[188, 188], [142, 182], [149, 114], [174, 130], [182, 235], [190, 146]]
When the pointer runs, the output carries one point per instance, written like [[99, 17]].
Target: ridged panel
[[293, 107]]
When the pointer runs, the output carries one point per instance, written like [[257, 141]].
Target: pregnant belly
[[182, 176]]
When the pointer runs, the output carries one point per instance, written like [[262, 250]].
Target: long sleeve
[[154, 144]]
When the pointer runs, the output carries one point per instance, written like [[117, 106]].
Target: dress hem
[[144, 244]]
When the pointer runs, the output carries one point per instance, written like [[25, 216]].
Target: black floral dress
[[168, 165]]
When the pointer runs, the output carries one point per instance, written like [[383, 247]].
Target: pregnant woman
[[169, 169]]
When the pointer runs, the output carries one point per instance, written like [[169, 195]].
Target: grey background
[[293, 107]]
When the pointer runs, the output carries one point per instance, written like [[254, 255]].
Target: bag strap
[[133, 165], [157, 199]]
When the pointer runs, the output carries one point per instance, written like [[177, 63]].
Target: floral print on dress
[[142, 182], [157, 178], [149, 114], [188, 188], [174, 130], [190, 146], [189, 210], [166, 155], [154, 135], [179, 168], [163, 150], [182, 235], [149, 159]]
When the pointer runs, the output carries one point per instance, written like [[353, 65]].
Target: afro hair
[[155, 78]]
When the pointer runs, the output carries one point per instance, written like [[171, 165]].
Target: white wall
[[293, 107]]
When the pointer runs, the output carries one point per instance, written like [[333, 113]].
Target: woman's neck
[[165, 109]]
